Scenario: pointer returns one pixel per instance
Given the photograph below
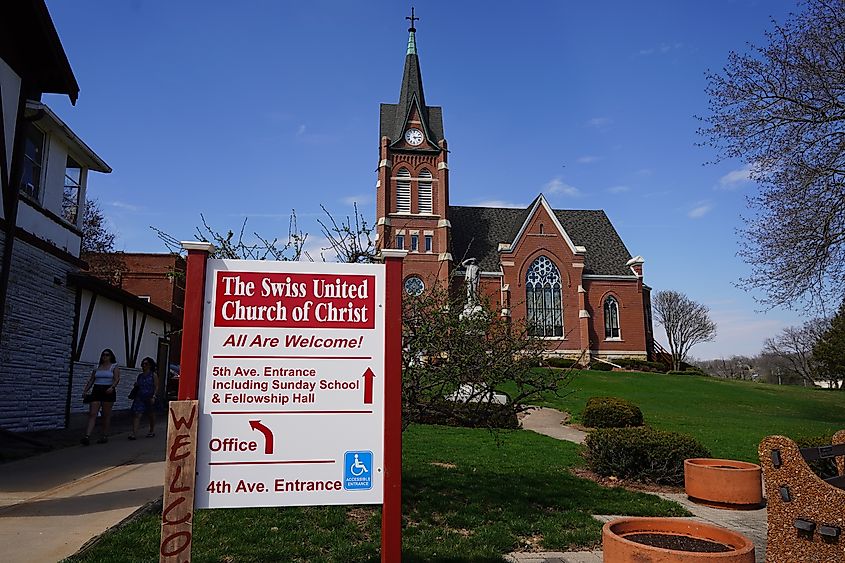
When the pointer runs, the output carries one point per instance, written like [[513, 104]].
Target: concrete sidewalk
[[51, 504]]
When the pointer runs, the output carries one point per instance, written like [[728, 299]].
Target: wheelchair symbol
[[357, 469]]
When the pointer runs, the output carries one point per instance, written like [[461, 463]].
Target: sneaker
[[103, 440], [151, 435], [85, 441], [132, 437]]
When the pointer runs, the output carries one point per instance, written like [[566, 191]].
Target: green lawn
[[729, 417], [468, 495]]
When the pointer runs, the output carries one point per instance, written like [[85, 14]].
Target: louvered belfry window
[[403, 191], [424, 192], [543, 299]]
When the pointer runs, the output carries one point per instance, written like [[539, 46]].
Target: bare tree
[[351, 239], [233, 245], [687, 323], [96, 235], [780, 108], [794, 347], [453, 363]]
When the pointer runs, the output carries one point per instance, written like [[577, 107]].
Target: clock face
[[414, 137]]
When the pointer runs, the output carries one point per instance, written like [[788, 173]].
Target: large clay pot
[[724, 483], [618, 549]]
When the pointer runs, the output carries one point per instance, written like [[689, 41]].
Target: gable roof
[[477, 232]]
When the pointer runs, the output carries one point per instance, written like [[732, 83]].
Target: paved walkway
[[751, 523], [550, 422], [52, 504]]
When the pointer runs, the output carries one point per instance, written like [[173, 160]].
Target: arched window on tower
[[403, 191], [424, 192], [611, 317], [543, 298]]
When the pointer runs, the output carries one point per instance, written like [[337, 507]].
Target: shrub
[[611, 412], [643, 454], [641, 365], [601, 366], [468, 415], [824, 468]]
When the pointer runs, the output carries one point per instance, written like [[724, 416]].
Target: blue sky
[[256, 108]]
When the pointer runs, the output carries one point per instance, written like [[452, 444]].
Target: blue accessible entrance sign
[[358, 471]]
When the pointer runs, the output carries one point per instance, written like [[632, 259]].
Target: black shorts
[[100, 393]]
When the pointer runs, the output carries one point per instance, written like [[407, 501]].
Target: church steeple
[[411, 95]]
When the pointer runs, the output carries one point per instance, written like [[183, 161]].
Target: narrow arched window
[[403, 191], [611, 317], [543, 298], [424, 192]]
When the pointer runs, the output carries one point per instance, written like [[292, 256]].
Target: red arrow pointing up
[[268, 435], [368, 386]]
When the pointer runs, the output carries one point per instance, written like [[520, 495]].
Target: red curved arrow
[[368, 386], [268, 435]]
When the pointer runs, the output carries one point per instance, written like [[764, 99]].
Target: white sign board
[[291, 385]]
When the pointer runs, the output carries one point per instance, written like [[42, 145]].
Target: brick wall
[[35, 347]]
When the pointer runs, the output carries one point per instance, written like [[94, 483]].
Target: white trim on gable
[[541, 200]]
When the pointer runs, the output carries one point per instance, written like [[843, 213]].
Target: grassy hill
[[729, 417]]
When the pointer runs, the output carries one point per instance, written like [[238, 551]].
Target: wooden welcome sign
[[179, 482]]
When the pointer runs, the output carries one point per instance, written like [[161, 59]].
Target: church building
[[564, 271]]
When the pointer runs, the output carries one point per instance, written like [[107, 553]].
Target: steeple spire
[[412, 39]]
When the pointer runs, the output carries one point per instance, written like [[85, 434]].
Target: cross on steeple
[[412, 19]]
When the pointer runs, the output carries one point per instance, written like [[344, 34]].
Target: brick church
[[567, 272]]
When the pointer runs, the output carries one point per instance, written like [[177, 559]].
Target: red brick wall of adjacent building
[[157, 276]]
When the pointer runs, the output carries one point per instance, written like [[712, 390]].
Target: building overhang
[[49, 122]]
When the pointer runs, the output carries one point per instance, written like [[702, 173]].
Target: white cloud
[[618, 189], [735, 179], [301, 130], [700, 210], [558, 186], [661, 49], [500, 203], [587, 159], [599, 122], [360, 199], [125, 206]]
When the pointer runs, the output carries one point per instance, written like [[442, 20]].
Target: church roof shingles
[[477, 232]]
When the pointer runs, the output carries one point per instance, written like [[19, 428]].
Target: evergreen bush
[[642, 454], [611, 412]]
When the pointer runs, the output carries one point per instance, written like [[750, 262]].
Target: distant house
[[44, 170]]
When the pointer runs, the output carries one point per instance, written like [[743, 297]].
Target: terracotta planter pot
[[618, 549], [724, 483]]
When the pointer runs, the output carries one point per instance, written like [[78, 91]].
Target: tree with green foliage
[[829, 351], [780, 108]]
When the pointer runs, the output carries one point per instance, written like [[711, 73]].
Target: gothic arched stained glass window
[[611, 317], [543, 299]]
